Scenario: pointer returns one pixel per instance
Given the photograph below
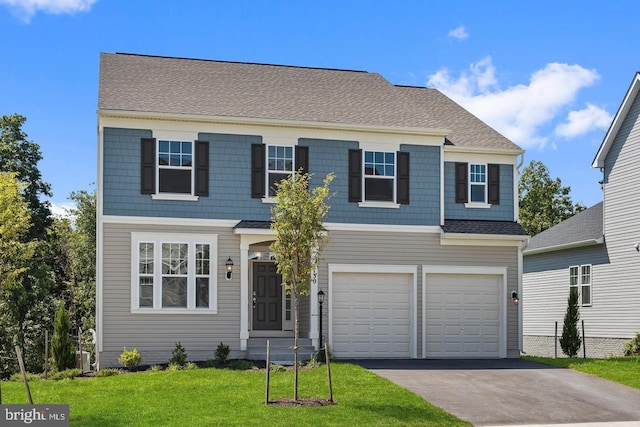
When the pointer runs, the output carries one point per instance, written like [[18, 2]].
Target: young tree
[[544, 202], [570, 340], [62, 347], [297, 218]]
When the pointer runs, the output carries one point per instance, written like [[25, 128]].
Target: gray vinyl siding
[[154, 334], [501, 212], [417, 249]]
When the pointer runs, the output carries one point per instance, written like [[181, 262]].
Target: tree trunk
[[296, 333]]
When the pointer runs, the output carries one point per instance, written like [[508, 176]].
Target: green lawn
[[212, 397], [623, 370]]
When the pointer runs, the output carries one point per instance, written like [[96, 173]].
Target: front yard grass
[[623, 370], [223, 397]]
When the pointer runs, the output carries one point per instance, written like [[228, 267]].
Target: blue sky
[[550, 75]]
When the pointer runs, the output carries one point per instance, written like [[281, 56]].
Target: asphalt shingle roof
[[483, 227], [156, 84], [583, 226]]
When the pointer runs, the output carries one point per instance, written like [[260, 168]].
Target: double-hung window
[[175, 166], [379, 176], [478, 183], [173, 272], [580, 280], [280, 161]]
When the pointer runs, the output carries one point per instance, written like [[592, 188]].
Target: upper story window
[[379, 176], [478, 183], [174, 168], [580, 279], [280, 163], [173, 272], [272, 163]]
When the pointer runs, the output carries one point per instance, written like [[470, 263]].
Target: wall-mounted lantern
[[514, 297], [229, 265]]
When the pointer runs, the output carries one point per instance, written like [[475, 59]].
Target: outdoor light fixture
[[637, 247], [229, 265], [514, 297], [320, 302]]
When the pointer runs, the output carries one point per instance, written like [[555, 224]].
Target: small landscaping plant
[[156, 368], [67, 374], [30, 377], [241, 365], [174, 367], [190, 366], [109, 372], [632, 348], [222, 353], [130, 359], [178, 355]]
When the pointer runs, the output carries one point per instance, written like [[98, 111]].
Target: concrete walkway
[[514, 392]]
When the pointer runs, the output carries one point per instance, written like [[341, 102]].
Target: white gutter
[[582, 243]]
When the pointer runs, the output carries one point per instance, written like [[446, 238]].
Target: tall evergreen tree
[[570, 340], [62, 347]]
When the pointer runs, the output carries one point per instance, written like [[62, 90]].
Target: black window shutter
[[494, 184], [403, 178], [302, 158], [202, 168], [355, 175], [461, 182], [148, 166], [257, 170]]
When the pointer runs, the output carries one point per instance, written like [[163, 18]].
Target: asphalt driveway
[[512, 391]]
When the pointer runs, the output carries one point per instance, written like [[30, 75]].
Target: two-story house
[[597, 252], [423, 255]]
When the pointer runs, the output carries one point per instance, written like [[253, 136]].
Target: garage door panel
[[371, 315], [462, 315]]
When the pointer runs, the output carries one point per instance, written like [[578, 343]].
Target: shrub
[[570, 340], [632, 347], [67, 374], [190, 366], [30, 377], [130, 359], [156, 368], [222, 353], [174, 367], [62, 347], [178, 355], [107, 372], [241, 365], [320, 356], [278, 368]]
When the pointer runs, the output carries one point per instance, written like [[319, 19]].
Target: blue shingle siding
[[501, 212], [230, 174]]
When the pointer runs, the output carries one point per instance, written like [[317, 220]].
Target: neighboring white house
[[597, 251]]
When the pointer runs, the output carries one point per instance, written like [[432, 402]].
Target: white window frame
[[175, 196], [269, 171], [484, 184], [579, 282], [157, 239], [379, 203]]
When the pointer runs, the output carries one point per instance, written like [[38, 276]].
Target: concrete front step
[[281, 349]]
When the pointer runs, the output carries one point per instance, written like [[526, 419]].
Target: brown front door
[[267, 297]]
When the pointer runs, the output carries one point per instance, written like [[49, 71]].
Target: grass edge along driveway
[[623, 370], [209, 397]]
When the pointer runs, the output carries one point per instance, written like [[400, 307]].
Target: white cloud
[[26, 9], [62, 210], [459, 33], [583, 121], [520, 111]]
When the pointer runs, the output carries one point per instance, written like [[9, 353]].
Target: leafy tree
[[21, 156], [570, 340], [544, 202], [62, 346], [297, 218]]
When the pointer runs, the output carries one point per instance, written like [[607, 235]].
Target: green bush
[[277, 368], [222, 353], [109, 372], [62, 346], [156, 368], [632, 348], [178, 355], [241, 365], [67, 374], [174, 367], [190, 366], [30, 377], [130, 359], [570, 340]]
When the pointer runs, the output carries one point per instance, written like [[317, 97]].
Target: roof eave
[[572, 245], [110, 113], [483, 150], [598, 161]]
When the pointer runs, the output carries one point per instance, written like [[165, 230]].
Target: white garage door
[[371, 315], [463, 315]]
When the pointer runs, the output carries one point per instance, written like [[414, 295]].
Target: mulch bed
[[302, 401]]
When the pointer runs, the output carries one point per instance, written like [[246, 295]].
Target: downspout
[[521, 248]]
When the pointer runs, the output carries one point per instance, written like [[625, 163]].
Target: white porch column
[[244, 292]]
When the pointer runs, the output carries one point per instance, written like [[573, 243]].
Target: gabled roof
[[302, 95], [583, 229], [618, 120]]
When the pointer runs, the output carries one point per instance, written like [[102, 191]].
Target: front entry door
[[267, 297]]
